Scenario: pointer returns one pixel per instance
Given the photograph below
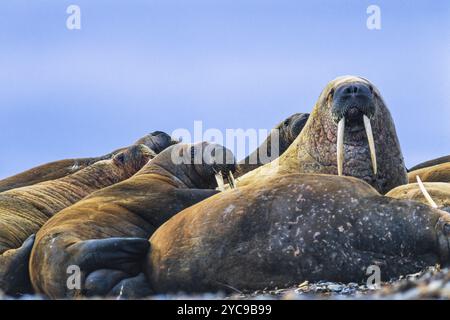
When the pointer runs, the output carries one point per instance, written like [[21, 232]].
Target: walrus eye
[[121, 158]]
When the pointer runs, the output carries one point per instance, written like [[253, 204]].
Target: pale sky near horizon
[[140, 66]]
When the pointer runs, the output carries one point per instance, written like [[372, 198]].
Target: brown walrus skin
[[430, 163], [315, 149], [284, 230], [439, 192], [437, 173], [156, 141], [287, 131], [105, 235], [24, 210]]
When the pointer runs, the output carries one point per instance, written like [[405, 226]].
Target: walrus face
[[352, 107], [294, 125], [212, 163], [202, 165], [157, 141], [350, 132], [134, 158]]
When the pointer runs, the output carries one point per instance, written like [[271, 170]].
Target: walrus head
[[134, 158], [201, 165], [157, 141], [290, 129], [351, 132]]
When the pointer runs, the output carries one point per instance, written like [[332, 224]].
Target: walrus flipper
[[122, 254], [132, 288], [14, 275], [107, 262]]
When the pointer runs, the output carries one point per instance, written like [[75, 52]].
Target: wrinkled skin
[[436, 173], [314, 150], [430, 163], [106, 233], [439, 192], [24, 210], [288, 131], [287, 229], [156, 141]]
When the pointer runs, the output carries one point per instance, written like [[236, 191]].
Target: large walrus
[[437, 173], [24, 210], [105, 235], [349, 132], [283, 230], [282, 135], [156, 141]]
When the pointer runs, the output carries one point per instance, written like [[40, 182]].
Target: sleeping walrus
[[105, 235], [24, 210], [283, 230], [349, 132], [156, 141]]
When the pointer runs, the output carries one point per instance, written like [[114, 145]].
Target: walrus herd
[[161, 216]]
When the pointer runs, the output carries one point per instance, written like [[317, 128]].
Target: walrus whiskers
[[369, 133], [219, 180], [340, 145], [425, 193]]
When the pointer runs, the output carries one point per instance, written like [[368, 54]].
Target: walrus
[[105, 235], [24, 210], [437, 173], [349, 132], [430, 163], [435, 194], [156, 141], [283, 230], [283, 135]]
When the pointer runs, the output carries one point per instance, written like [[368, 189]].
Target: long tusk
[[369, 133], [340, 145], [425, 193], [232, 181], [219, 180]]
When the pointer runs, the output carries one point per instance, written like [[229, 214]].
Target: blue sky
[[140, 66]]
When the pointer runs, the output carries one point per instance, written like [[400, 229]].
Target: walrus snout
[[353, 101], [353, 105]]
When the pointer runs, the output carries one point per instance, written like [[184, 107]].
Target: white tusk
[[219, 180], [369, 133], [425, 193], [232, 181], [340, 146]]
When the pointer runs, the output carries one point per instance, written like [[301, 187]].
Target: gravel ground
[[431, 283]]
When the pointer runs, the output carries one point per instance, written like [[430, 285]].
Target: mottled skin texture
[[314, 150], [288, 131], [430, 163], [156, 141], [439, 191], [24, 210], [287, 229], [436, 173], [106, 234]]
